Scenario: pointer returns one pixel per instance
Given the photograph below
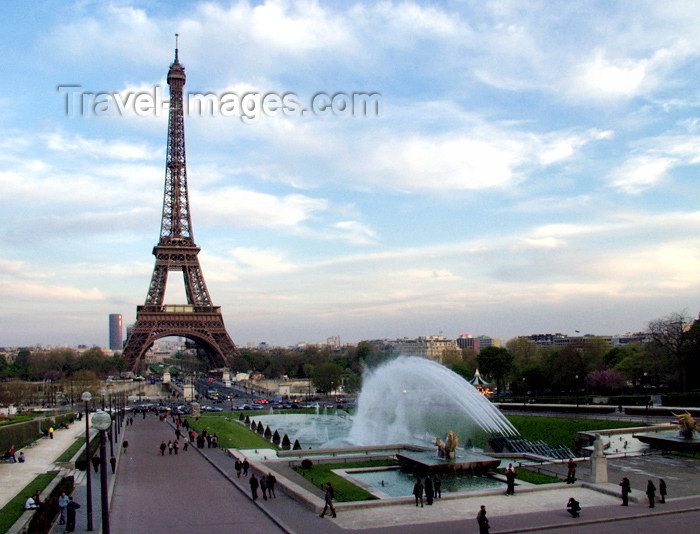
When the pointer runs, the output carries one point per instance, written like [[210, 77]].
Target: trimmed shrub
[[286, 443], [306, 463]]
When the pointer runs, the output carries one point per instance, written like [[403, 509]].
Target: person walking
[[163, 446], [328, 497], [482, 521], [573, 507], [254, 484], [62, 504], [429, 491], [662, 490], [418, 492], [246, 466], [170, 447], [271, 481], [51, 432], [651, 493], [70, 514], [176, 447], [185, 445], [239, 467], [510, 479], [571, 471], [625, 485]]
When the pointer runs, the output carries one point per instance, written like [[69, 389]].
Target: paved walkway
[[40, 459], [198, 491]]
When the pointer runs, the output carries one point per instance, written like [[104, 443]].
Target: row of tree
[[670, 358]]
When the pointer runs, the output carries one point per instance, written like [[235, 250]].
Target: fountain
[[409, 398], [683, 440]]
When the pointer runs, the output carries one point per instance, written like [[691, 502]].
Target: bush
[[306, 463]]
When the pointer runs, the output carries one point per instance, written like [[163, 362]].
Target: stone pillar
[[226, 376], [599, 463], [188, 392], [166, 377]]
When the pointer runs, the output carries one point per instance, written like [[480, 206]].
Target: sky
[[532, 167]]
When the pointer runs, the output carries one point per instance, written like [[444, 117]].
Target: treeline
[[58, 364]]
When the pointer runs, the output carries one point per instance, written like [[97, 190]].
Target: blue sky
[[534, 168]]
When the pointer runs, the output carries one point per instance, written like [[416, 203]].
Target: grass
[[561, 431], [18, 418], [230, 433], [345, 491], [71, 451], [530, 476], [12, 511]]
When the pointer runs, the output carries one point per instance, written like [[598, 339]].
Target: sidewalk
[[40, 459]]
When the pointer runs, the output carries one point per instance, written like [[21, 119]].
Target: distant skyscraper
[[115, 331]]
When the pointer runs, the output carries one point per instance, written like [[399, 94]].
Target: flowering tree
[[606, 380]]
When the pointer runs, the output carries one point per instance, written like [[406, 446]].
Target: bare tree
[[672, 334]]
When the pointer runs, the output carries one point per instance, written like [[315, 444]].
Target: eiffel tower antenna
[[198, 320]]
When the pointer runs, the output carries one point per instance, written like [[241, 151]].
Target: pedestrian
[[177, 433], [62, 504], [170, 447], [329, 496], [95, 463], [246, 466], [662, 490], [271, 481], [418, 492], [208, 438], [573, 507], [20, 458], [51, 432], [625, 484], [254, 484], [176, 447], [429, 491], [651, 493], [510, 479], [571, 474], [11, 454], [113, 463], [163, 446], [239, 466], [185, 445], [70, 514], [482, 521], [125, 444], [37, 499], [437, 486], [263, 486]]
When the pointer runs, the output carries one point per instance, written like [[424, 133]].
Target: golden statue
[[687, 424], [448, 449]]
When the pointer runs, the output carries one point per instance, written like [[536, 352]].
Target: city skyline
[[531, 168]]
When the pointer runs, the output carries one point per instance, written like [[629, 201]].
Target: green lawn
[[12, 511], [71, 451], [345, 491], [19, 418], [560, 430], [231, 434]]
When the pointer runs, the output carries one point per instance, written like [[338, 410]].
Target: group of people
[[266, 483], [431, 485], [10, 455], [650, 491]]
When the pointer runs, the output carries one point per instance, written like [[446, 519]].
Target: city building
[[431, 347], [466, 341], [116, 341], [487, 341]]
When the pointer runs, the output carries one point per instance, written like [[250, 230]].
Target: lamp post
[[576, 392], [102, 421], [86, 396]]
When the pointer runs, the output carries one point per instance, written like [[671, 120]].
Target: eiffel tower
[[198, 320]]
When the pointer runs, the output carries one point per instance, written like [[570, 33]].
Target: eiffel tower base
[[203, 324]]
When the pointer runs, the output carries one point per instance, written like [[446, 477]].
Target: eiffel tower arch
[[198, 320]]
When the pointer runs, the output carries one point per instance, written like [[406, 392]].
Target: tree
[[525, 352], [673, 334], [496, 362], [326, 377], [606, 380]]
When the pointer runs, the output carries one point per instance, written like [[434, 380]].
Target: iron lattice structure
[[199, 319]]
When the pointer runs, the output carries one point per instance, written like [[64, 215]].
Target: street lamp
[[577, 392], [86, 396], [102, 421]]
